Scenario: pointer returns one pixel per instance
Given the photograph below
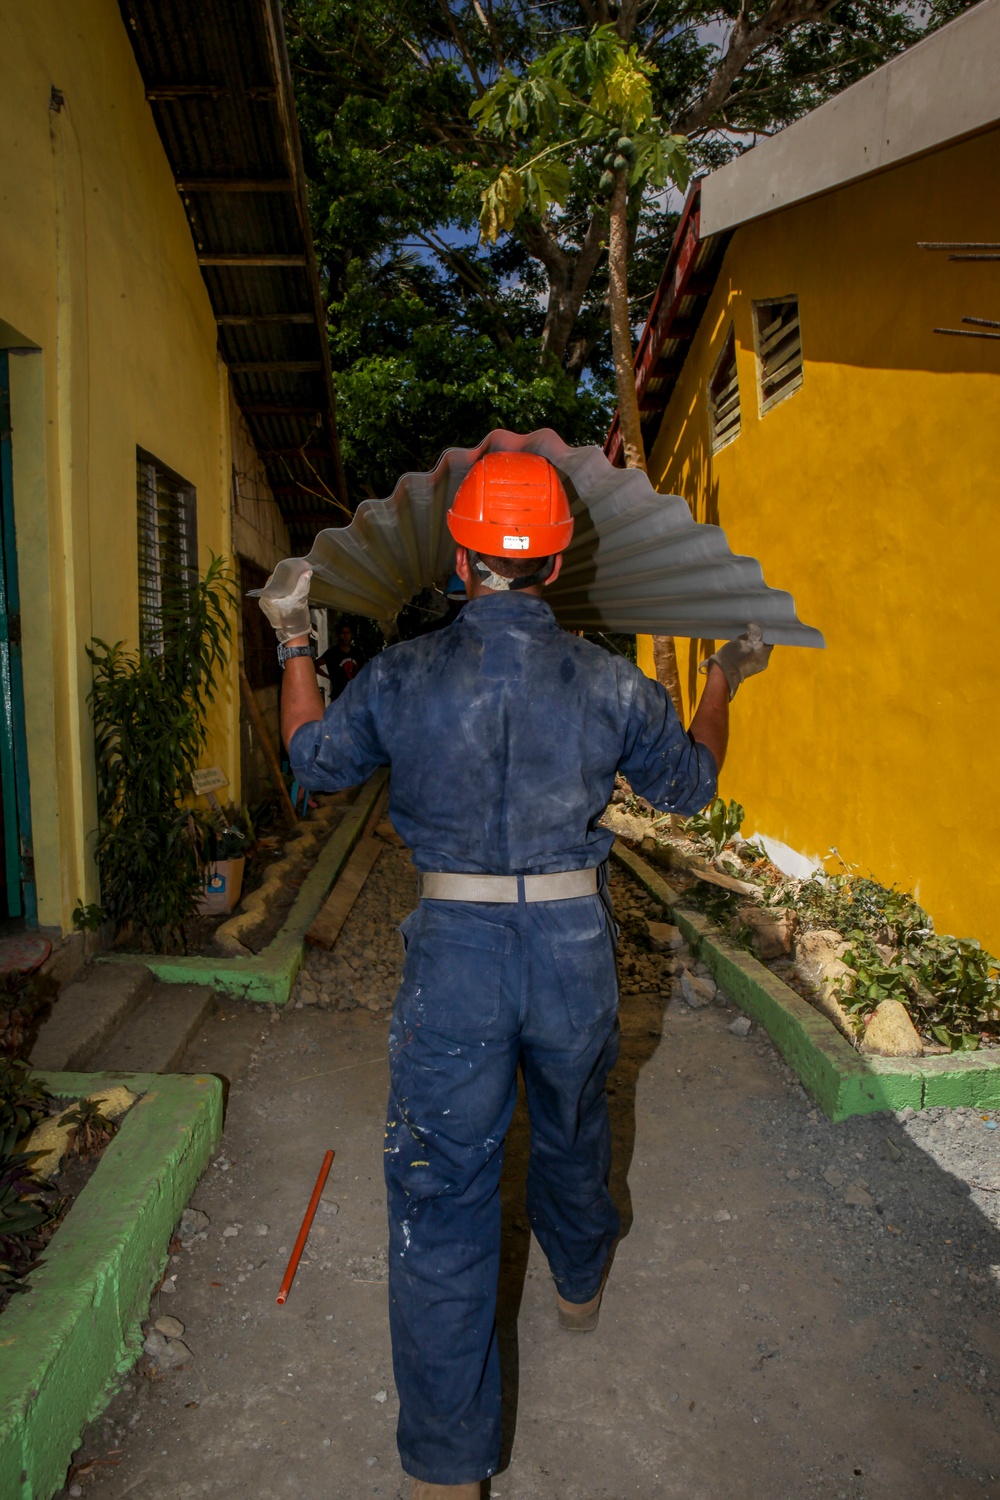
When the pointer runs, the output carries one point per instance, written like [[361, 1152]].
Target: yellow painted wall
[[98, 270], [873, 495]]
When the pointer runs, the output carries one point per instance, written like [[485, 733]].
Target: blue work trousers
[[486, 989]]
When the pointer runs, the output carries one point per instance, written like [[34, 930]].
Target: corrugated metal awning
[[218, 83], [638, 561]]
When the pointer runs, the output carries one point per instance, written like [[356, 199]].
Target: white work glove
[[741, 658], [290, 614]]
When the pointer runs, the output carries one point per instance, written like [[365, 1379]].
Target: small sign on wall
[[211, 779]]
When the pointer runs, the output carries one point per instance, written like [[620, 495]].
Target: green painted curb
[[267, 977], [64, 1343], [842, 1081]]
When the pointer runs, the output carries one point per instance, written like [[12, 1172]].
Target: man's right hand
[[741, 658]]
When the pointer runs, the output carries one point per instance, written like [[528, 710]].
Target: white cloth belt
[[564, 886]]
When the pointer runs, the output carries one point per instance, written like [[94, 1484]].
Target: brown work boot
[[424, 1491], [579, 1317]]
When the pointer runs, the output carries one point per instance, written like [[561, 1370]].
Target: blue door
[[17, 897]]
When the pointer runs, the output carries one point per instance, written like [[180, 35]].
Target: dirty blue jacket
[[504, 733]]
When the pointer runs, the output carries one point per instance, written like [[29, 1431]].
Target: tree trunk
[[664, 651], [621, 331]]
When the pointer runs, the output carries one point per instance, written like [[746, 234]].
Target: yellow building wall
[[98, 272], [873, 495]]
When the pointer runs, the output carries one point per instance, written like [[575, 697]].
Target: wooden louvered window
[[724, 396], [778, 339], [168, 547]]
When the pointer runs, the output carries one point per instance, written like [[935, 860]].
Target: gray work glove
[[290, 614], [740, 658]]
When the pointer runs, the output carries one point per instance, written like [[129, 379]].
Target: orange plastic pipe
[[300, 1243]]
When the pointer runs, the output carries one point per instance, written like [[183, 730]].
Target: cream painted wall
[[873, 495], [98, 269]]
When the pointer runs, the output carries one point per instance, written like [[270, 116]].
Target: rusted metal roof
[[638, 561], [687, 282], [218, 82]]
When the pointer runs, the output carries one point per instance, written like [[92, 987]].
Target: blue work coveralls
[[503, 733]]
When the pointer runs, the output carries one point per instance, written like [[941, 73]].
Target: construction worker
[[503, 734]]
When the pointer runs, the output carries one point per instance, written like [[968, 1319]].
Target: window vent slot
[[778, 338], [168, 548], [724, 396]]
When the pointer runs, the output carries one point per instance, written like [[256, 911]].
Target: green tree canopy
[[436, 335]]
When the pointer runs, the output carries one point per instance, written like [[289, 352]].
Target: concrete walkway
[[796, 1308]]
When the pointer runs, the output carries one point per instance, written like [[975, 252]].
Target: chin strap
[[498, 585]]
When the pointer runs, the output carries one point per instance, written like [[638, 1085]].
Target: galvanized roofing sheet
[[638, 561]]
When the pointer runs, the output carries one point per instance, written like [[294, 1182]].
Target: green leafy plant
[[950, 986], [721, 823], [582, 118], [23, 1214], [92, 1130], [89, 917], [150, 723], [23, 1100]]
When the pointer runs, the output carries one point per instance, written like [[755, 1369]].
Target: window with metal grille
[[724, 396], [778, 340], [168, 547]]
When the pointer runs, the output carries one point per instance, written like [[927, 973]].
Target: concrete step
[[156, 1036], [88, 1013]]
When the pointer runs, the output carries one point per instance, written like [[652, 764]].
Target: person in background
[[342, 661]]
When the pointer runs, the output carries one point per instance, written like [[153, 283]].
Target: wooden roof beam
[[279, 409], [235, 320], [239, 258], [278, 366], [234, 184], [163, 91]]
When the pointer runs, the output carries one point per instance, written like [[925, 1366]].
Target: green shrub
[[150, 725]]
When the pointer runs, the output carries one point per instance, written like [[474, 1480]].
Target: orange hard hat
[[511, 504]]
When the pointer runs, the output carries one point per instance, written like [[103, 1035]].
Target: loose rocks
[[193, 1221], [741, 1026], [171, 1328], [819, 964], [364, 967], [664, 937], [695, 991], [166, 1354], [891, 1033], [772, 930]]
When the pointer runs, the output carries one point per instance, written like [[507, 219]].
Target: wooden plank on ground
[[334, 913]]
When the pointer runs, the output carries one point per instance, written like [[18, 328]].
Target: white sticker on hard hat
[[516, 543]]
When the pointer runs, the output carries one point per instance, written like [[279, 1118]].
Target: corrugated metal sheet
[[638, 560]]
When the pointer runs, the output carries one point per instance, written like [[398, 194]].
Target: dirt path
[[759, 1332]]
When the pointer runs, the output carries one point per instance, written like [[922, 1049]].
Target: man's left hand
[[290, 614]]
